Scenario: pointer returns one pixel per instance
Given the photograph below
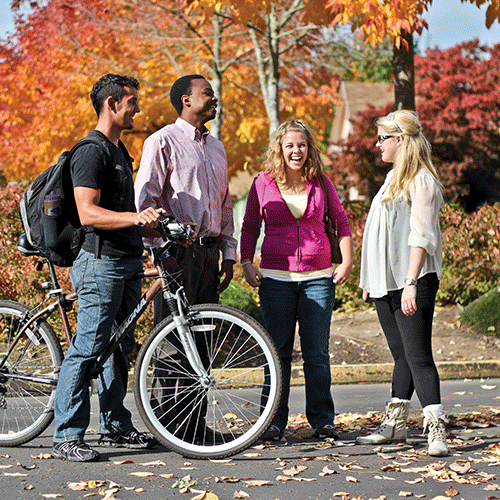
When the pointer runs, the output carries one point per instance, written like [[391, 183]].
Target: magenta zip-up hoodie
[[290, 244]]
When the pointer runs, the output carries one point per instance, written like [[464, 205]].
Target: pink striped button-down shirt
[[185, 172]]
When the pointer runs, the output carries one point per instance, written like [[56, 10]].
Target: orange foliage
[[375, 19], [63, 48]]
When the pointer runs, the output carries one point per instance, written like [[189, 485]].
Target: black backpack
[[49, 214]]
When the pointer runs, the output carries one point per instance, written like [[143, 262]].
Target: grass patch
[[238, 297], [483, 314]]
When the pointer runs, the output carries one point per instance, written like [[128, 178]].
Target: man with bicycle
[[184, 171], [103, 275]]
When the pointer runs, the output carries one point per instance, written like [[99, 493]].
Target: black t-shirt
[[90, 167]]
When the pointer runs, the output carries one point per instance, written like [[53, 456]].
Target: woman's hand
[[409, 300], [341, 273], [252, 275]]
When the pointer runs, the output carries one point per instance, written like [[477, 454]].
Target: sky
[[450, 22]]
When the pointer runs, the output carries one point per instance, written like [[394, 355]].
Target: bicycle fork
[[186, 336]]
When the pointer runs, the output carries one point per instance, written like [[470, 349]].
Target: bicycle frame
[[63, 303]]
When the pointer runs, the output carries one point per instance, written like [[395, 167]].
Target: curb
[[380, 373]]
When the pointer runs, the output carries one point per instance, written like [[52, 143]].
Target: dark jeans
[[410, 342], [310, 303]]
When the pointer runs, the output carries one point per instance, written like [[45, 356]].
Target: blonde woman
[[400, 269], [296, 279]]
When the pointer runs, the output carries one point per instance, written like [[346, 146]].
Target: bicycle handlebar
[[171, 230]]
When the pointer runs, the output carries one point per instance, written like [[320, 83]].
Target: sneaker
[[327, 431], [75, 451], [130, 438], [273, 433]]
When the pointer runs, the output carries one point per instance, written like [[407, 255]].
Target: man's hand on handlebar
[[149, 217]]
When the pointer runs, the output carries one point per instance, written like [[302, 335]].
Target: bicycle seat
[[25, 247]]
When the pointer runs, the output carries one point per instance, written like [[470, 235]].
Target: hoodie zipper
[[299, 257]]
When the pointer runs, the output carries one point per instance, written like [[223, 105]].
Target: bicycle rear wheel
[[28, 376], [228, 413]]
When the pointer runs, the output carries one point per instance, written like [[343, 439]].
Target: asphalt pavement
[[298, 467]]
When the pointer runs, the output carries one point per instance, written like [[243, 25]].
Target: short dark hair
[[182, 86], [110, 85]]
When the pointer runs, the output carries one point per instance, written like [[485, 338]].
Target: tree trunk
[[216, 81], [404, 74]]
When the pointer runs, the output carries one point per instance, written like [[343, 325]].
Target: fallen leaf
[[206, 496], [83, 486], [326, 471], [42, 456], [460, 469], [51, 495], [296, 469], [156, 463], [241, 494], [14, 474], [451, 492], [488, 387], [405, 494], [492, 487], [351, 479], [257, 482], [122, 462], [141, 474]]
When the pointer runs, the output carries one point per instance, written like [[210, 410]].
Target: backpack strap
[[90, 140]]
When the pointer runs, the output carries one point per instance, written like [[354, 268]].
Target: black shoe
[[75, 451], [273, 433], [202, 435], [130, 438], [327, 431]]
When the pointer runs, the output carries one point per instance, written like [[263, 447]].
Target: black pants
[[410, 342], [200, 269]]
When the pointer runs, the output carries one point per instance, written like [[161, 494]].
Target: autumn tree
[[399, 20], [459, 92], [62, 48]]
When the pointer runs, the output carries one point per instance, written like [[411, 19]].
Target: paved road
[[363, 472]]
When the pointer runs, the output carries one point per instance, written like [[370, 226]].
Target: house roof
[[357, 96]]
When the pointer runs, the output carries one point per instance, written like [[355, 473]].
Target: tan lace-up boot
[[434, 422], [393, 426]]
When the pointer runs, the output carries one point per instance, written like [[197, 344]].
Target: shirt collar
[[191, 131]]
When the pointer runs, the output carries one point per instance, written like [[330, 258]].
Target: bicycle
[[207, 379]]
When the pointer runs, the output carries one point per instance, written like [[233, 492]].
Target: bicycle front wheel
[[28, 375], [219, 416]]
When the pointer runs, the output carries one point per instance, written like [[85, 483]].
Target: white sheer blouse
[[392, 228]]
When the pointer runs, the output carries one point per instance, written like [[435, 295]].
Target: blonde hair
[[413, 154], [274, 163]]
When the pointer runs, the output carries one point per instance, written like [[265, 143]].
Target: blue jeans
[[107, 292], [310, 303]]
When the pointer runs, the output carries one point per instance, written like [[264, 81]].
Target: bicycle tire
[[26, 406], [240, 402]]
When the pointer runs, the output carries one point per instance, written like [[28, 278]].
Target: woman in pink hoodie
[[296, 278]]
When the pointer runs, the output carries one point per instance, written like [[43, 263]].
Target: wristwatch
[[410, 281]]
